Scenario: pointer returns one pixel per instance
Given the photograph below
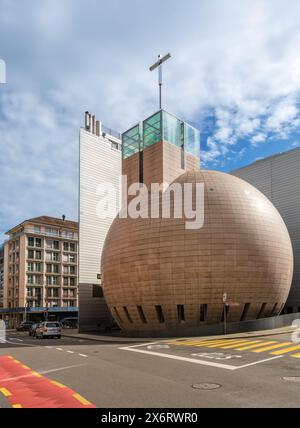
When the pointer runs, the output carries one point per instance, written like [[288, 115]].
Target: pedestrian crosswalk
[[273, 347]]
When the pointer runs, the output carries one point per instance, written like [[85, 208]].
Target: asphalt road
[[160, 375]]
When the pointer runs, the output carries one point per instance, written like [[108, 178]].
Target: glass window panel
[[172, 129], [152, 132], [192, 140], [131, 142]]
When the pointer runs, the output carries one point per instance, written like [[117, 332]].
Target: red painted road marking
[[26, 388]]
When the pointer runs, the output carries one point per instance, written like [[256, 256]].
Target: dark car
[[24, 325], [32, 330]]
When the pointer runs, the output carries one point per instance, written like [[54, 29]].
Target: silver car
[[48, 329]]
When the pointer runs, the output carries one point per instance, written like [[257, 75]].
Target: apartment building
[[1, 275], [40, 269]]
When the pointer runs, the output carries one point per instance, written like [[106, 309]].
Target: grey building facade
[[278, 177]]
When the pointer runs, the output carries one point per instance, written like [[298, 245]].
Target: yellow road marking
[[36, 374], [17, 406], [225, 342], [285, 351], [60, 385], [295, 355], [268, 348], [26, 367], [241, 343], [257, 345], [5, 392], [17, 361], [81, 399]]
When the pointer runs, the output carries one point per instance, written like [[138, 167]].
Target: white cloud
[[238, 60]]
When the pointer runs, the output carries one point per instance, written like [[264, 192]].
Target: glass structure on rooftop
[[161, 126]]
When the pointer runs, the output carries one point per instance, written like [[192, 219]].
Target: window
[[55, 257], [38, 267], [72, 246], [56, 245], [37, 229], [141, 314], [245, 311], [203, 312], [127, 314], [66, 246], [72, 282], [66, 269], [274, 310], [160, 315], [38, 279], [72, 270], [30, 279], [261, 312], [55, 268], [180, 313], [30, 254], [49, 243], [66, 282], [38, 242], [72, 258], [38, 255], [30, 241], [97, 291], [30, 267], [48, 268], [117, 315]]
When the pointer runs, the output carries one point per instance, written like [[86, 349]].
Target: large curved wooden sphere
[[160, 277]]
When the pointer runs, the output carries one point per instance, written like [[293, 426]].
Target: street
[[189, 373]]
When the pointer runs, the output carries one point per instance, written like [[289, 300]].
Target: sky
[[234, 74]]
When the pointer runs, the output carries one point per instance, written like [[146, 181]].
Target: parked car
[[71, 323], [24, 326], [32, 330], [48, 329]]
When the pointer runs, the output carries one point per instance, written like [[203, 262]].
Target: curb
[[116, 340]]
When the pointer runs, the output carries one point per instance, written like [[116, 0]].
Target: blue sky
[[235, 73]]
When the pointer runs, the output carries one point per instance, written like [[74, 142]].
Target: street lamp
[[158, 64]]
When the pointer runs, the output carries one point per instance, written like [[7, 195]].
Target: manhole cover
[[206, 386], [292, 378]]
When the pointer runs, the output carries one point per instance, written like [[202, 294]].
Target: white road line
[[70, 352], [40, 372], [258, 362], [49, 347], [59, 349], [192, 360], [83, 355], [189, 360]]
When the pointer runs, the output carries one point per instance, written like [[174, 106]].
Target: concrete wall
[[94, 314], [278, 177]]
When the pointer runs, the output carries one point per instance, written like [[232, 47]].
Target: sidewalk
[[119, 339]]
